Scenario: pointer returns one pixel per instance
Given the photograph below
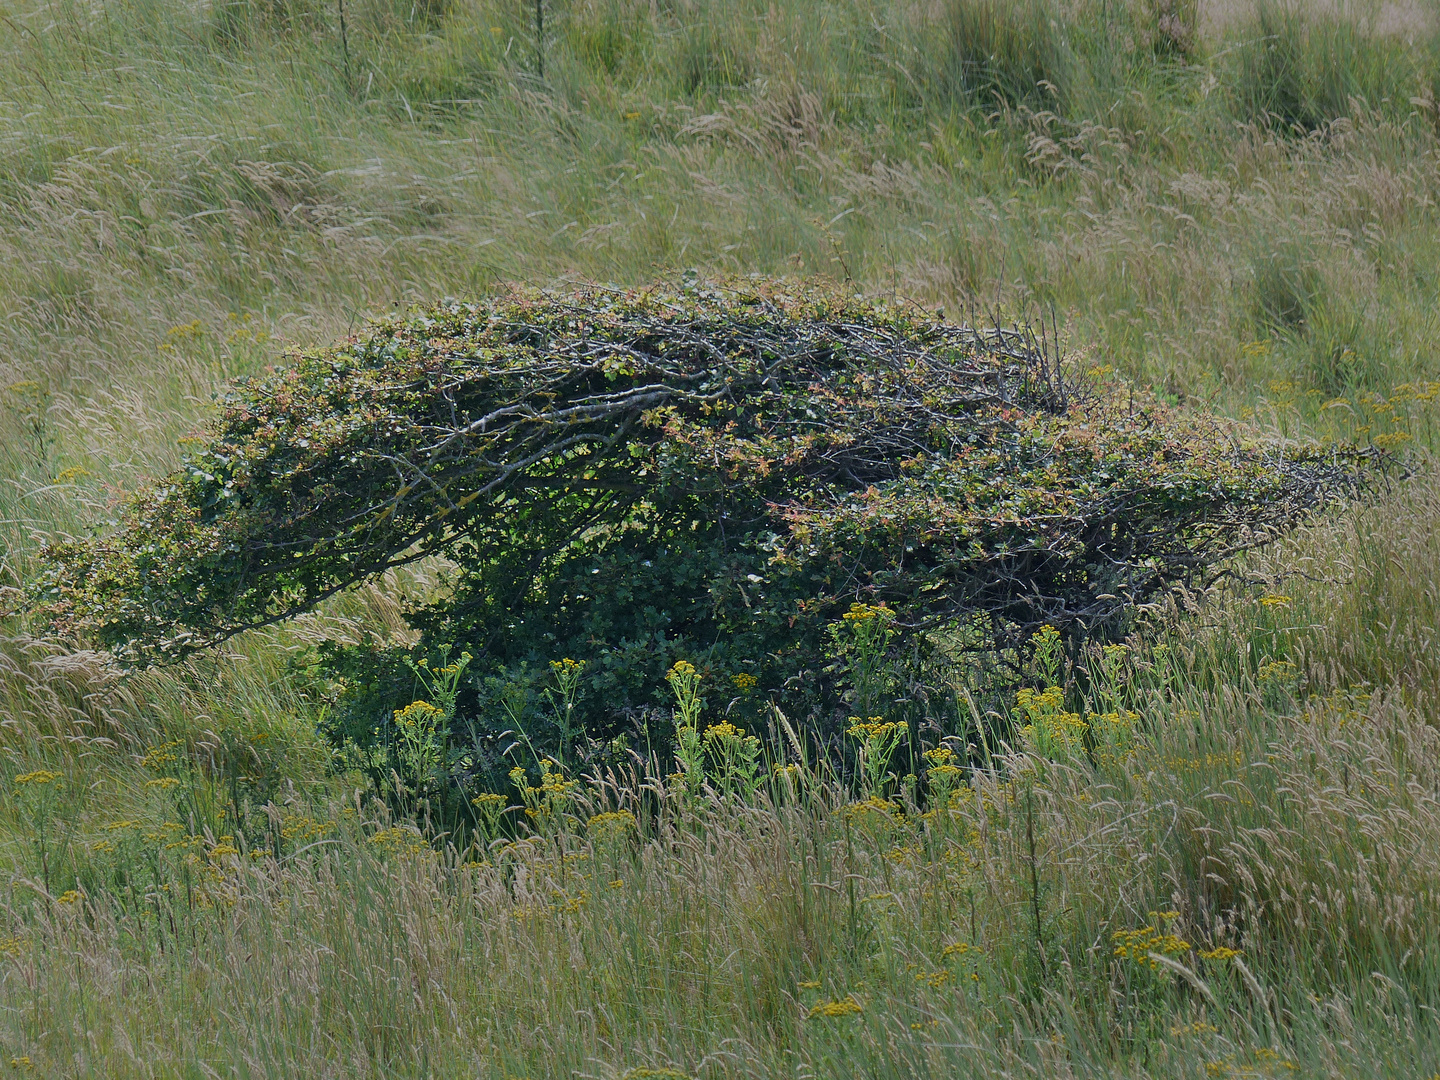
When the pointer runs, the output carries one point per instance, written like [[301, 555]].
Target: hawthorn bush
[[710, 472]]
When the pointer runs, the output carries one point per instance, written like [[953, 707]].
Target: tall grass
[[1242, 215], [707, 935], [1305, 69]]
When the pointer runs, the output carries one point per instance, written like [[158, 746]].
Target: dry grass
[[1308, 843]]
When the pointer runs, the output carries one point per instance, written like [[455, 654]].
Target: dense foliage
[[710, 472]]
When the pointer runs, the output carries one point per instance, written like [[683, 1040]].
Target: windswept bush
[[703, 472]]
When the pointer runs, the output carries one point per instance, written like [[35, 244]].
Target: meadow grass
[[1235, 205]]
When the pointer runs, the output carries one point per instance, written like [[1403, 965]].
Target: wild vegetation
[[1209, 848]]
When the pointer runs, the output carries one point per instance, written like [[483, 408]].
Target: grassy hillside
[[1235, 206]]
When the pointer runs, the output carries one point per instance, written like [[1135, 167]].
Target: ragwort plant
[[38, 798], [860, 643], [876, 741], [684, 680]]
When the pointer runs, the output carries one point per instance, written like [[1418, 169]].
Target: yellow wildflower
[[873, 807], [1137, 945], [941, 755], [723, 730], [418, 714], [844, 1007], [38, 777], [874, 728], [159, 756], [612, 826], [860, 613], [1221, 952]]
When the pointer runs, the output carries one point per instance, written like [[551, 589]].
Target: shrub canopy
[[703, 471]]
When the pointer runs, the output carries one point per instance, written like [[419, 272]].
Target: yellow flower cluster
[[1274, 669], [418, 714], [567, 666], [544, 803], [1113, 734], [1266, 1061], [1052, 731], [301, 827], [571, 905], [157, 757], [874, 728], [959, 948], [224, 846], [552, 781], [744, 682], [1137, 945], [939, 757], [38, 777], [844, 1007], [1222, 952], [873, 808], [723, 730], [942, 769], [681, 669], [448, 669], [1049, 700], [860, 613], [946, 777], [399, 841], [614, 825]]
